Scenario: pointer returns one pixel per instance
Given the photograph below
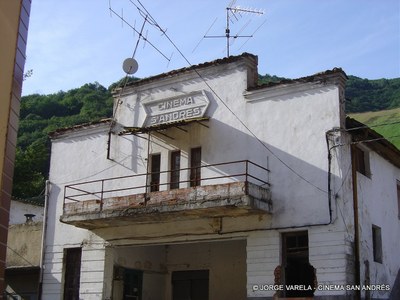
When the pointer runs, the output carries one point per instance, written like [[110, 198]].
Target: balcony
[[225, 189]]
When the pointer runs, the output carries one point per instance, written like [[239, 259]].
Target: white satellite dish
[[130, 66]]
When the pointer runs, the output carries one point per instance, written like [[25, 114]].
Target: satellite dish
[[130, 66]]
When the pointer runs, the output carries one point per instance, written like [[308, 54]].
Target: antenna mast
[[236, 11], [147, 19]]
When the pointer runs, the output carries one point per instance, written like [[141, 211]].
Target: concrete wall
[[23, 257], [291, 121], [378, 204], [24, 242], [18, 210]]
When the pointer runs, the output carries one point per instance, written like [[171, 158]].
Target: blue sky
[[74, 42]]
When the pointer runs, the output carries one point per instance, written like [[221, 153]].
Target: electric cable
[[369, 140], [232, 112], [371, 126], [155, 23], [30, 264], [223, 102]]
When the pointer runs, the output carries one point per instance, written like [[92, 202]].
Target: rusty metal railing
[[242, 170]]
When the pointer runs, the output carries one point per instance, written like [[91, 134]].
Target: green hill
[[385, 122], [362, 95], [372, 95]]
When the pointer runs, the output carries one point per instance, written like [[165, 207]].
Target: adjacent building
[[206, 185], [24, 247], [14, 20]]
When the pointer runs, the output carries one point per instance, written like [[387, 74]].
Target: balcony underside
[[221, 200]]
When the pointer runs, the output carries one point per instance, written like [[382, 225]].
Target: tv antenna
[[130, 65], [234, 13]]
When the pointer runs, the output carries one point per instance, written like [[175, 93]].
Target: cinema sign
[[179, 108]]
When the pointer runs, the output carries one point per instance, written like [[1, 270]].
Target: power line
[[230, 110], [155, 23], [31, 264], [371, 126], [369, 140]]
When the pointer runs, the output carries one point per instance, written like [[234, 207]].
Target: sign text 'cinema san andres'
[[183, 107]]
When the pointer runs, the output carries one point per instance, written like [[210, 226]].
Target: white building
[[24, 245], [208, 186]]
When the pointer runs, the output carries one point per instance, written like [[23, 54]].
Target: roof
[[61, 131], [312, 78], [221, 61], [376, 142], [37, 201]]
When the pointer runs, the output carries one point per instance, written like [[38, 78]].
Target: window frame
[[155, 175], [377, 250], [362, 161], [195, 166], [175, 166]]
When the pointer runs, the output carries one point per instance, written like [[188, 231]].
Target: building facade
[[14, 20], [24, 247], [206, 185]]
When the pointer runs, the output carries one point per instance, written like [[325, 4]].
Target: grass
[[385, 122]]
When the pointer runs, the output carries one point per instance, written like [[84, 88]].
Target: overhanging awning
[[164, 126]]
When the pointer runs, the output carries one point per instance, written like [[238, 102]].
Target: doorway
[[133, 281], [297, 268], [190, 285]]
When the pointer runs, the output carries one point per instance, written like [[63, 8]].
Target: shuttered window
[[195, 164], [155, 162], [175, 169]]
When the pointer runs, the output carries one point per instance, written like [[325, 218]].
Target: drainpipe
[[147, 190], [356, 223], [109, 145], [329, 174], [44, 228]]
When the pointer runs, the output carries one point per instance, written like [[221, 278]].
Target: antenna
[[146, 20], [234, 12]]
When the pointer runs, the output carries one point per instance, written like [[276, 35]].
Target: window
[[175, 169], [155, 164], [296, 266], [398, 198], [362, 161], [195, 164], [377, 243], [72, 267], [190, 285], [133, 281]]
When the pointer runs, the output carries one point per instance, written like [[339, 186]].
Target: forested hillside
[[363, 94], [41, 114], [372, 95]]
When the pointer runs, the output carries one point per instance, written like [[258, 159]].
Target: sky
[[74, 42]]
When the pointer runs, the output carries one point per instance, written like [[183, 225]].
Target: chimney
[[29, 218]]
